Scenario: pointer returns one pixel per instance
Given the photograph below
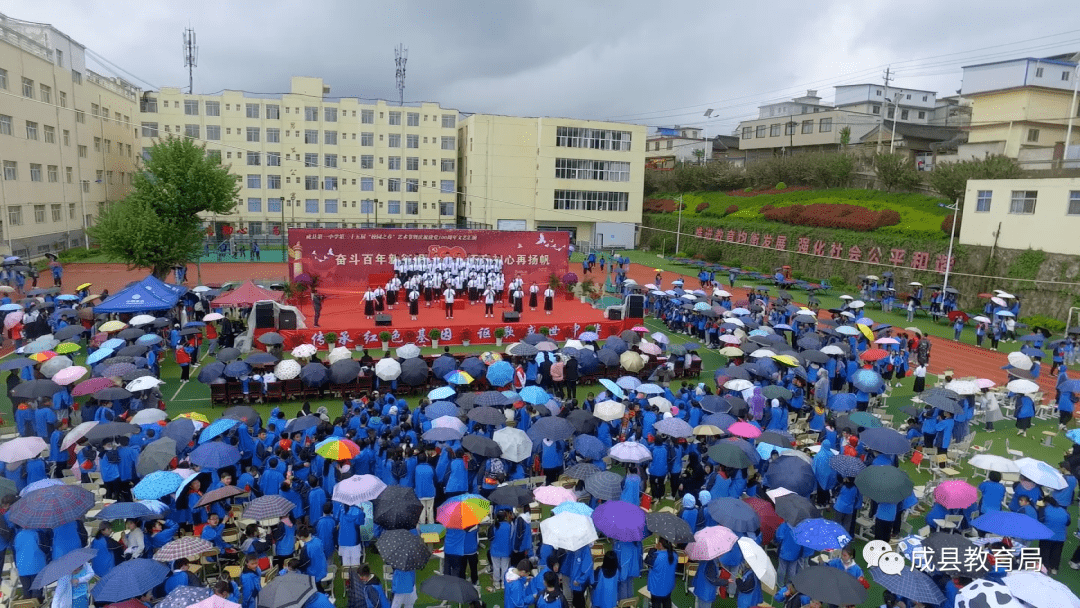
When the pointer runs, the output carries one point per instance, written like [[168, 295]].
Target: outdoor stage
[[344, 315]]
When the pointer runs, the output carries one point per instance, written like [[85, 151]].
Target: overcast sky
[[657, 63]]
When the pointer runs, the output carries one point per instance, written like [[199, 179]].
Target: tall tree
[[157, 226], [950, 179], [896, 171]]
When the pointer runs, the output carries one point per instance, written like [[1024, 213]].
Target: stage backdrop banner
[[345, 258]]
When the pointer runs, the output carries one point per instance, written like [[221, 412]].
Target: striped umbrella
[[463, 511], [358, 489], [338, 449], [51, 507], [268, 507], [185, 546]]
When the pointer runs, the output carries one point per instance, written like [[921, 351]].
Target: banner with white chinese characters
[[344, 258], [475, 334]]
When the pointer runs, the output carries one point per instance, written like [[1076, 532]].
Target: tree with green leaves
[[950, 179], [896, 171], [157, 226]]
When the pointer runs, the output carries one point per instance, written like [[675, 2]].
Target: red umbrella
[[91, 386], [873, 354], [770, 521], [986, 295], [958, 314]]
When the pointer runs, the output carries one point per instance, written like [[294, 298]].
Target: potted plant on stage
[[331, 339], [545, 331], [588, 288], [384, 336], [500, 333], [466, 336], [434, 335], [569, 280]]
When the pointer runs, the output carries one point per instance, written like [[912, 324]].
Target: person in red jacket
[[183, 359]]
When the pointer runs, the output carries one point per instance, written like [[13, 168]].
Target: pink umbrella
[[729, 339], [215, 601], [12, 319], [91, 386], [99, 338], [553, 495], [985, 383], [744, 430], [886, 341], [68, 375], [956, 494], [649, 348], [639, 328], [711, 543]]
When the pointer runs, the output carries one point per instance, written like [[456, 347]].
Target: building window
[[76, 77], [149, 129], [412, 207], [213, 108], [35, 172], [394, 140], [69, 175], [608, 171], [273, 182], [255, 205], [825, 125], [71, 211], [395, 118], [367, 206], [412, 119], [311, 182], [1065, 76], [273, 205], [412, 163], [273, 136], [596, 139], [412, 185], [191, 131], [311, 113], [747, 132], [412, 141], [922, 115], [254, 158], [367, 117], [39, 214], [83, 152], [1038, 72], [330, 205], [891, 112], [446, 208], [808, 126], [3, 79], [449, 121], [67, 137], [876, 108], [774, 130], [330, 138], [57, 212], [46, 94], [1033, 135], [148, 104], [311, 205], [273, 111], [330, 114], [393, 207], [15, 216], [330, 161], [252, 110], [446, 164], [254, 181], [311, 136], [62, 98], [80, 116], [330, 183], [273, 159], [367, 161], [191, 107], [393, 184], [1074, 203], [446, 186], [11, 170], [393, 163], [903, 114], [31, 130], [28, 88], [367, 184], [1023, 201], [589, 200], [448, 143], [253, 134], [54, 173], [367, 139], [982, 203], [5, 124], [758, 132]]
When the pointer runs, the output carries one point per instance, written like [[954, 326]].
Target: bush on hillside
[[731, 209], [781, 186], [824, 215], [947, 225], [701, 207]]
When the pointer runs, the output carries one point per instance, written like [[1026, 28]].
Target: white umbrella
[[721, 293], [963, 387], [993, 462], [151, 416], [609, 410], [1022, 386], [574, 344], [408, 351], [141, 320], [630, 451], [22, 448], [629, 282], [143, 383], [77, 433], [304, 351], [1005, 294], [856, 304], [1020, 360], [981, 319], [287, 369], [738, 384], [873, 277], [846, 297], [998, 301], [762, 352], [915, 284], [987, 593], [832, 349], [448, 422], [387, 369], [1041, 473], [340, 353], [214, 316], [661, 404], [1038, 589], [54, 365], [201, 289], [660, 337], [730, 339], [568, 530], [758, 561], [515, 443]]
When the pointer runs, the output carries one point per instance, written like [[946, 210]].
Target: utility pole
[[888, 77], [952, 236], [678, 231], [1072, 108], [896, 113], [401, 55], [191, 57]]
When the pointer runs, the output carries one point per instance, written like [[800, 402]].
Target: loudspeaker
[[382, 320], [635, 306], [264, 316], [510, 316], [614, 313], [286, 320]]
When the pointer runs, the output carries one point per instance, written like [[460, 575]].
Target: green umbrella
[[864, 419], [884, 483], [729, 455], [776, 392]]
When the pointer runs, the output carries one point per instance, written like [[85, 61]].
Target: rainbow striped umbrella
[[458, 377], [464, 511], [195, 417], [338, 449]]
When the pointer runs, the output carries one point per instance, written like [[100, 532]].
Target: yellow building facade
[[1022, 213]]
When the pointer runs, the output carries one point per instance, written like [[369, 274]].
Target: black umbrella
[[715, 404], [133, 350], [17, 363], [473, 366], [261, 358], [884, 483], [36, 389], [729, 454], [414, 372], [271, 338], [669, 526], [160, 323], [830, 586], [403, 550], [555, 429], [943, 540], [885, 440], [777, 438], [344, 371], [605, 485], [608, 357], [535, 339], [481, 446], [397, 508], [492, 398], [228, 354], [112, 393], [131, 333], [444, 365], [243, 413], [156, 456], [582, 470], [190, 331], [109, 430], [487, 415], [302, 424], [943, 403], [794, 508], [736, 515], [511, 496], [69, 332], [292, 590], [237, 369], [448, 588], [523, 349], [583, 421], [314, 374], [211, 372]]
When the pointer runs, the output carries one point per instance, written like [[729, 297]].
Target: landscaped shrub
[[701, 207], [947, 225], [661, 205], [731, 209], [781, 186], [825, 215], [752, 192]]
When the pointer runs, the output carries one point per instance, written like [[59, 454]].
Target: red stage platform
[[344, 315]]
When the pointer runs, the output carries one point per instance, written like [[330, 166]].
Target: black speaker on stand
[[510, 316], [635, 306], [264, 315], [286, 320], [382, 320]]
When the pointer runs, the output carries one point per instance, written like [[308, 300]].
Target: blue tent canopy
[[146, 295]]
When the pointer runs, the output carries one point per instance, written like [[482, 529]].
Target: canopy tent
[[246, 295], [146, 295]]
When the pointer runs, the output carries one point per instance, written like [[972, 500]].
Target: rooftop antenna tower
[[401, 55], [191, 57]]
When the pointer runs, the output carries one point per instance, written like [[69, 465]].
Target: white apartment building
[[877, 101], [308, 160], [668, 146], [68, 139]]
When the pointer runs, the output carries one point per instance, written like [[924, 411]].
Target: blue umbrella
[[1070, 386], [442, 434], [628, 382], [500, 373], [613, 388], [821, 534], [1015, 525], [589, 447], [734, 514], [587, 362], [441, 392], [534, 395], [573, 507], [1032, 352], [793, 473], [607, 356], [40, 484], [911, 584], [443, 365], [130, 579], [842, 402], [616, 344], [589, 336], [184, 596], [441, 408], [124, 510], [181, 431], [458, 377], [492, 398], [1074, 435], [715, 404], [215, 455], [99, 355], [314, 374], [148, 339], [867, 380], [474, 367], [848, 466], [113, 343], [721, 420], [63, 566], [156, 484], [10, 307], [237, 369], [211, 372], [550, 427], [216, 428], [885, 440], [194, 324]]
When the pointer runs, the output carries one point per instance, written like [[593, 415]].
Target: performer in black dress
[[414, 303], [533, 293], [429, 293], [369, 304], [549, 299], [380, 299], [392, 293], [519, 301]]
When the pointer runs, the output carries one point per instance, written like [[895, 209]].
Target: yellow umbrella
[[111, 326], [83, 286], [865, 331], [89, 298], [787, 360], [195, 416], [707, 430], [731, 351], [67, 347]]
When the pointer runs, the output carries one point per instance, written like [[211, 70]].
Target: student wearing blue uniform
[[991, 493], [515, 591], [605, 592], [29, 560], [500, 535], [1057, 519], [250, 582], [662, 562]]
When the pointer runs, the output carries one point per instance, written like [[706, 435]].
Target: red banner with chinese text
[[343, 258]]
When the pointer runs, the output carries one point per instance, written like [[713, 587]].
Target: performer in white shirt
[[448, 297], [414, 303], [534, 292], [489, 302], [549, 299], [519, 300], [369, 304]]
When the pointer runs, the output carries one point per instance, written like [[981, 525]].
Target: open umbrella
[[553, 495], [912, 584], [449, 589], [397, 508], [463, 511], [215, 455], [63, 566], [830, 585], [1041, 473], [848, 466], [1015, 525], [885, 440], [183, 547], [271, 506], [553, 428], [794, 509], [511, 496], [758, 561], [710, 543], [821, 534], [729, 455], [956, 494], [291, 590], [605, 485], [22, 448], [619, 520], [669, 526], [734, 514], [358, 489], [51, 507], [219, 494], [630, 452], [1038, 589], [791, 472], [130, 579], [403, 550], [515, 444], [884, 483], [155, 457]]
